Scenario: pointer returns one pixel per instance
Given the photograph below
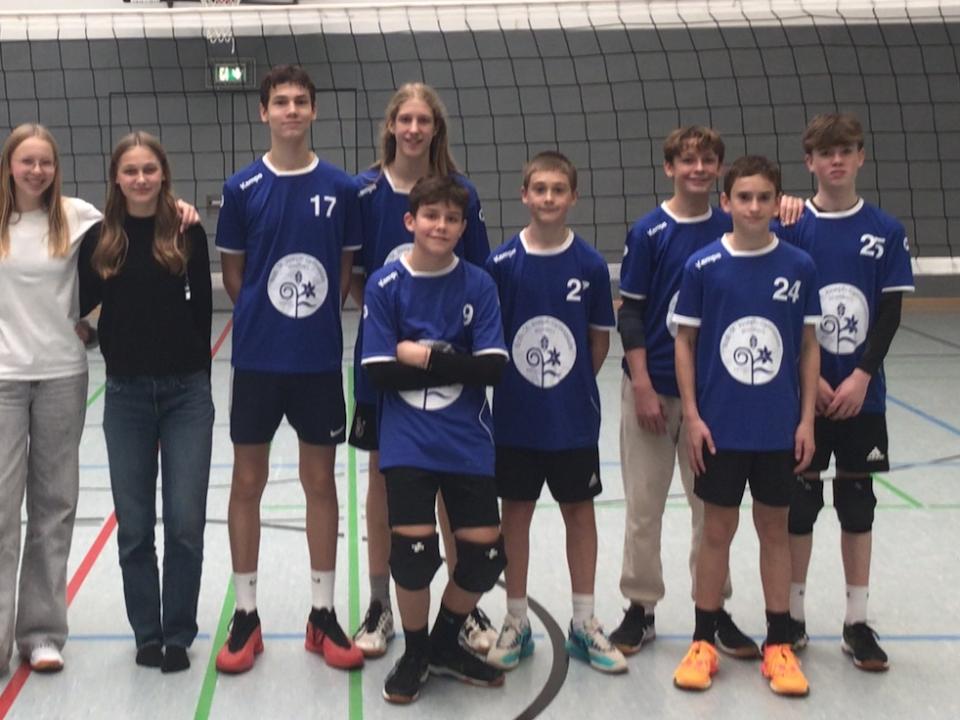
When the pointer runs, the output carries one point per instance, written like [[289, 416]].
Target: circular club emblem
[[751, 349], [544, 351], [397, 252], [669, 321], [844, 319], [298, 285], [434, 398]]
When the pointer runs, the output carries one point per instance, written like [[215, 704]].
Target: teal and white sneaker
[[513, 645], [590, 644]]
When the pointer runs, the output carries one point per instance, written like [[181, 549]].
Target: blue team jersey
[[385, 239], [292, 228], [860, 254], [750, 308], [442, 429], [657, 247], [548, 398]]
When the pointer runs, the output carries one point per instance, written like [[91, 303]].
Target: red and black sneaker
[[325, 637], [243, 644]]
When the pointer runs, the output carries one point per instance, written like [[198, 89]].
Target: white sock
[[856, 604], [797, 591], [582, 609], [245, 589], [321, 587], [517, 607]]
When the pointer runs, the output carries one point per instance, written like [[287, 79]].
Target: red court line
[[22, 673], [16, 683]]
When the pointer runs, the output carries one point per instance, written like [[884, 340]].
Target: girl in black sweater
[[153, 285]]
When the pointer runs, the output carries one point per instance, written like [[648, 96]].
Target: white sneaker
[[589, 643], [376, 631], [46, 658], [514, 644], [477, 633]]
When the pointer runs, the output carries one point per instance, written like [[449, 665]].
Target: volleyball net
[[603, 82]]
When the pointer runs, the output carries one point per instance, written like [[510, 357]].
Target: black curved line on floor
[[561, 661]]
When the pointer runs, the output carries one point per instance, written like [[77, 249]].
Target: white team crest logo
[[397, 252], [434, 398], [298, 285], [669, 321], [751, 349], [844, 319], [544, 351]]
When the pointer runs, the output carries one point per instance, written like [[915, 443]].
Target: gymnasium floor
[[914, 605]]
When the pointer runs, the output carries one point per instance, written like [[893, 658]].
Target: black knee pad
[[479, 565], [855, 502], [414, 560], [805, 504]]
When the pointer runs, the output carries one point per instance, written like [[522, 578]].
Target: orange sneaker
[[697, 667], [781, 666], [243, 644], [325, 637]]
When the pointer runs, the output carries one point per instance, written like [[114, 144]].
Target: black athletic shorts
[[859, 444], [471, 500], [312, 403], [572, 475], [770, 475], [364, 432]]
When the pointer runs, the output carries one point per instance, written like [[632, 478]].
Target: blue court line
[[281, 636], [907, 638], [217, 466], [926, 416]]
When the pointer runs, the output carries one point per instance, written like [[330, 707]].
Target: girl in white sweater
[[43, 388]]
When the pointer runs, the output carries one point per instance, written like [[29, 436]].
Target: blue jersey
[[442, 429], [750, 308], [657, 247], [548, 398], [860, 254], [385, 239], [292, 228]]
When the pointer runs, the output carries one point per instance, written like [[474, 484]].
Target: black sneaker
[[732, 641], [458, 662], [407, 677], [860, 642], [634, 631], [150, 654], [798, 634]]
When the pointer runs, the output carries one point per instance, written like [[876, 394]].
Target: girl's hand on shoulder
[[188, 215]]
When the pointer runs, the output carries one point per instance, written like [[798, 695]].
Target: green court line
[[96, 395], [205, 701], [353, 535], [898, 492]]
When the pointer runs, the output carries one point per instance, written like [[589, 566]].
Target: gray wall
[[605, 97]]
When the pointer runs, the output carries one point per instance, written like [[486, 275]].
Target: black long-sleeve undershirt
[[881, 332], [443, 369], [630, 323]]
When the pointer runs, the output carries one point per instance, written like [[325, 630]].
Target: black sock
[[778, 628], [418, 641], [706, 627], [446, 628], [175, 659], [150, 654]]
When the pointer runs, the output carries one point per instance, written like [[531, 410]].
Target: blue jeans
[[173, 415]]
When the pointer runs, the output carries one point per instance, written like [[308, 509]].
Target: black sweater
[[151, 321]]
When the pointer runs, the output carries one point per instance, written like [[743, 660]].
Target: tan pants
[[646, 464]]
